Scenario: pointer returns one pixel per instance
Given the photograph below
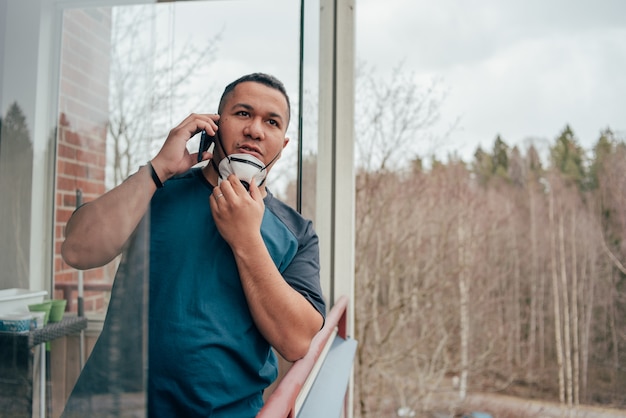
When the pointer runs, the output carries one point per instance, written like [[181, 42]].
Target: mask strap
[[272, 160], [215, 167], [241, 160]]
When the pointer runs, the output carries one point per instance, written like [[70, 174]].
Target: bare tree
[[566, 315], [574, 312], [555, 297], [444, 294], [466, 237], [150, 80], [392, 286], [393, 117]]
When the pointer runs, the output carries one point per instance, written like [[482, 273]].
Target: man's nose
[[255, 128]]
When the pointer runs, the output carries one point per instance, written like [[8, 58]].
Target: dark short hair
[[262, 78]]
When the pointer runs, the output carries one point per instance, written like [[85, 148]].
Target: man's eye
[[273, 122], [242, 113]]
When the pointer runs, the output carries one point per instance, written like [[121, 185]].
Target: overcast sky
[[521, 69]]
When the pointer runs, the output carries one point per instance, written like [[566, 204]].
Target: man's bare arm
[[97, 232]]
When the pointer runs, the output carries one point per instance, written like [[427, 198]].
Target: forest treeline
[[504, 274]]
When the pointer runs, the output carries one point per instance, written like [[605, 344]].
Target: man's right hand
[[174, 158]]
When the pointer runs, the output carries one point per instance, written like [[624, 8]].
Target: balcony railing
[[324, 369]]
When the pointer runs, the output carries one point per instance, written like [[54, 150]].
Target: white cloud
[[520, 69]]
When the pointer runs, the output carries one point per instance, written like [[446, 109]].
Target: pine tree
[[602, 149], [568, 157], [482, 166], [500, 158]]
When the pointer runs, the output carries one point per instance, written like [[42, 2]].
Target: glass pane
[[309, 106], [19, 143], [148, 68], [129, 75]]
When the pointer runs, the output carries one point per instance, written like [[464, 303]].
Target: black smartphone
[[205, 142]]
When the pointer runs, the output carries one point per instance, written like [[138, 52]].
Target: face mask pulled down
[[246, 167]]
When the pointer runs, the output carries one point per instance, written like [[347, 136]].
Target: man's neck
[[210, 174]]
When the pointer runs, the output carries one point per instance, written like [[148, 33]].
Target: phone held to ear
[[205, 142]]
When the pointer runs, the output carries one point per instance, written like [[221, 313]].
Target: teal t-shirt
[[206, 356]]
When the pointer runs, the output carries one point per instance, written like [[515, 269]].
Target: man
[[232, 271]]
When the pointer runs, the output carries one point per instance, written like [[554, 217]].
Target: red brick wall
[[81, 136]]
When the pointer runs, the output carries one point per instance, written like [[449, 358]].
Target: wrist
[[155, 176], [248, 247]]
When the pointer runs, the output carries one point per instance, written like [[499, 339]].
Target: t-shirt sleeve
[[303, 273]]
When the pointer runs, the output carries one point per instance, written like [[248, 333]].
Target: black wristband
[[155, 176]]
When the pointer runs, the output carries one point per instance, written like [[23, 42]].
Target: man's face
[[253, 121]]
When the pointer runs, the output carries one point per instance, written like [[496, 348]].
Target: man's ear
[[285, 142]]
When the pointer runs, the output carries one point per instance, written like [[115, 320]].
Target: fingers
[[216, 196], [237, 214], [232, 189], [173, 157], [206, 155], [228, 189], [195, 123], [255, 192]]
